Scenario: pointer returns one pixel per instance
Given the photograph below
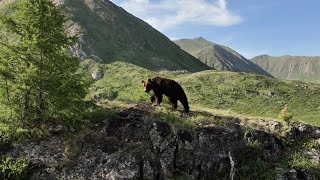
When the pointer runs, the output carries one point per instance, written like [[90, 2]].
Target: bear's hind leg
[[185, 104]]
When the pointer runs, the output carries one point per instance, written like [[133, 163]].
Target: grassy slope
[[113, 34], [238, 93], [291, 67], [218, 56]]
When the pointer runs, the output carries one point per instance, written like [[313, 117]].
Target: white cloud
[[166, 14]]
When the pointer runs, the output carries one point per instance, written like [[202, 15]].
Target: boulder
[[97, 75]]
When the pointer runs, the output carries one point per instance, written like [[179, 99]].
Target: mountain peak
[[218, 56], [111, 33], [200, 38], [262, 56]]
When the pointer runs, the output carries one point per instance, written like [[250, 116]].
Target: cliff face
[[132, 145]]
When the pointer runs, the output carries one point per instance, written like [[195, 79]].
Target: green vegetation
[[13, 168], [251, 166], [298, 160], [37, 73], [291, 67], [256, 169], [218, 56], [10, 133], [284, 114], [112, 34], [236, 93], [299, 156]]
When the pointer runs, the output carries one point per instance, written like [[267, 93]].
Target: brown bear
[[168, 87]]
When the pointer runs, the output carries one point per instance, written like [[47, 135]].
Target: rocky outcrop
[[292, 174], [271, 146], [133, 145], [303, 131]]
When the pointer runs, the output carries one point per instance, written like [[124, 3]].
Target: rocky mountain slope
[[218, 56], [291, 67], [109, 33]]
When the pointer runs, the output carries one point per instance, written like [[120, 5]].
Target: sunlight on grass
[[220, 93]]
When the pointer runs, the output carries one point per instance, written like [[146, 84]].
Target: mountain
[[108, 33], [218, 56], [291, 67]]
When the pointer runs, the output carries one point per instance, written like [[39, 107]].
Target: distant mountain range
[[291, 67], [218, 56], [108, 33]]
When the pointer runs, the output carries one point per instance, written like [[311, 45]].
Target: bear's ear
[[149, 80], [142, 81]]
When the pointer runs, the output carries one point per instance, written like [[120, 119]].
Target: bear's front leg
[[159, 99], [153, 98]]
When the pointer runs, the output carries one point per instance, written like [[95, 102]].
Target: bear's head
[[148, 85]]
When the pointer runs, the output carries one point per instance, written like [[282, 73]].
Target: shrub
[[13, 168], [257, 169], [284, 114]]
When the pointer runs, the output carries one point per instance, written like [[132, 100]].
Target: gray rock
[[314, 155], [317, 133], [292, 174], [97, 75], [274, 126], [303, 131]]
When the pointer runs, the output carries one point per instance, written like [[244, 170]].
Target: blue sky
[[251, 27]]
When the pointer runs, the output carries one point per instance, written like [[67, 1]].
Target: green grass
[[235, 93]]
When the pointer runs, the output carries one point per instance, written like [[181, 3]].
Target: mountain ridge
[[305, 68], [219, 56], [108, 33]]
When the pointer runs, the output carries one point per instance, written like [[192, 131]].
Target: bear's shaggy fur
[[168, 87]]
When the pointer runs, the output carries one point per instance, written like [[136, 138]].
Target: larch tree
[[38, 74]]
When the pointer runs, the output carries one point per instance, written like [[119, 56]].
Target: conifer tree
[[37, 72]]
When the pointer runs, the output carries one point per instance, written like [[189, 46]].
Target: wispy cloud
[[166, 14]]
